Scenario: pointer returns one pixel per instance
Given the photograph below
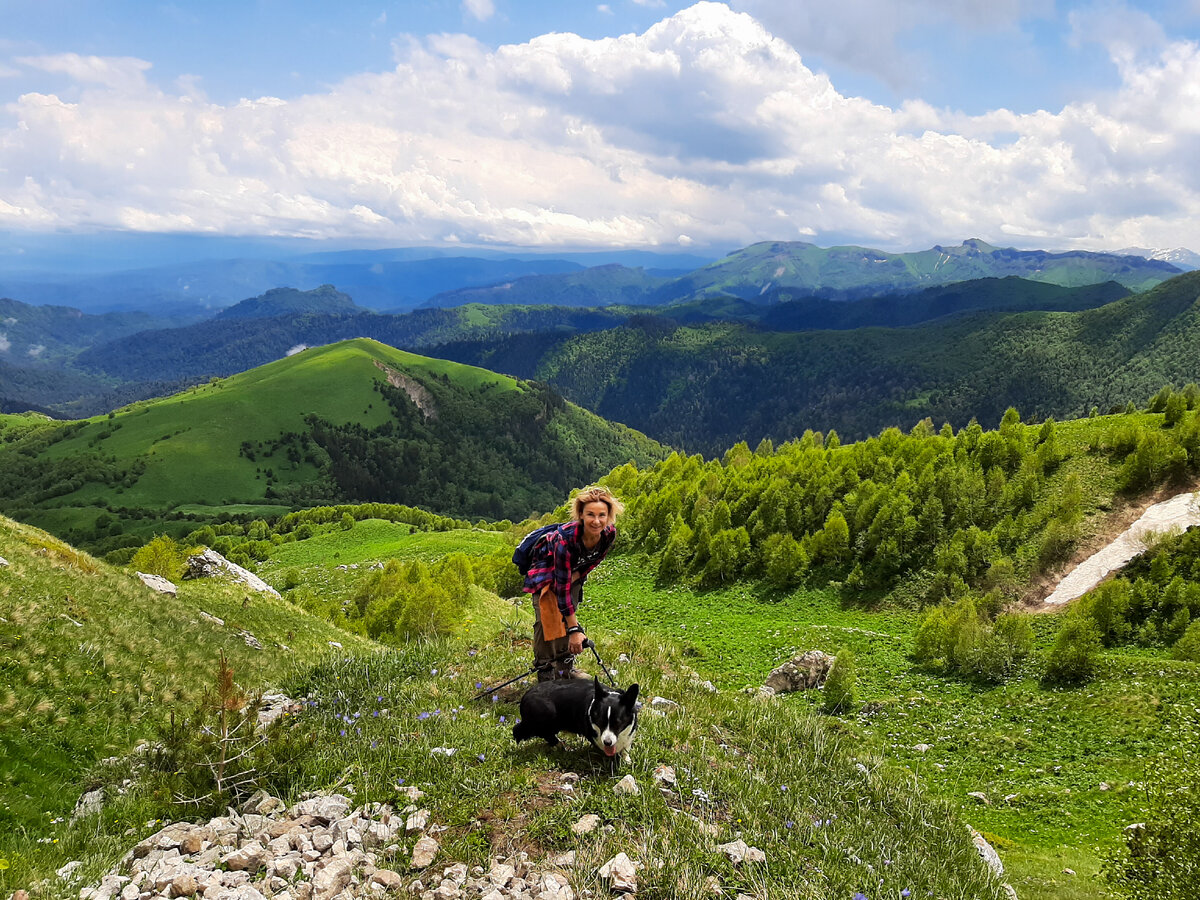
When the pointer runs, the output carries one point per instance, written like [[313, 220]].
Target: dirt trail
[[1121, 539]]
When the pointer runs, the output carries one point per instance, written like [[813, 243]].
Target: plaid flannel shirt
[[560, 553]]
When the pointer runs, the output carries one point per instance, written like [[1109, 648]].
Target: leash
[[587, 642]]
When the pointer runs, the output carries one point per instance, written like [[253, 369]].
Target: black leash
[[587, 642]]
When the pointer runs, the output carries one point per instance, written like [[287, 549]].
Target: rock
[[260, 802], [1068, 871], [1010, 892], [158, 583], [251, 641], [67, 872], [739, 852], [248, 858], [390, 881], [4, 562], [564, 860], [923, 748], [328, 808], [665, 775], [211, 618], [424, 852], [586, 824], [987, 852], [1104, 786], [210, 564], [621, 873], [981, 797], [417, 821], [627, 786], [89, 804], [663, 703], [331, 878], [804, 672]]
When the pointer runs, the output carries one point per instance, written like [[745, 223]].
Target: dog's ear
[[630, 696], [599, 689]]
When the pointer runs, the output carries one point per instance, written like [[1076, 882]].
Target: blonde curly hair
[[601, 494]]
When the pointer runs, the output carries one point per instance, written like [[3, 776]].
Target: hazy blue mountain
[[289, 301]]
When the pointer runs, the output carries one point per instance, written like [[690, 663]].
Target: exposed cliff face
[[420, 397]]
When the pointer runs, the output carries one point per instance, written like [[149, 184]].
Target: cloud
[[123, 73], [705, 129], [5, 343], [865, 35], [481, 10]]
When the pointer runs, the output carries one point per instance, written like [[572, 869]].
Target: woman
[[559, 566]]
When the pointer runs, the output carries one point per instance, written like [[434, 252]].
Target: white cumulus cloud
[[708, 128], [482, 10]]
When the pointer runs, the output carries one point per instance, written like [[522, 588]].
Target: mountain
[[704, 387], [194, 288], [1180, 257], [356, 420], [846, 273], [598, 286], [32, 335], [289, 301]]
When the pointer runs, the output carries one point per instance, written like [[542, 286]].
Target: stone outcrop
[[321, 848], [804, 673], [211, 564]]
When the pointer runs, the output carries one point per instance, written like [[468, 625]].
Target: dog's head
[[613, 716]]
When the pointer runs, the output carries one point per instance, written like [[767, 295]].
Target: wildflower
[[859, 895], [422, 716], [495, 699], [433, 671], [343, 732], [482, 758], [502, 719], [906, 893], [478, 685], [472, 652], [375, 714], [783, 788], [789, 824]]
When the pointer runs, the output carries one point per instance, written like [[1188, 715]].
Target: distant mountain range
[[402, 279]]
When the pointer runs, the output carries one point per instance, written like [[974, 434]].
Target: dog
[[605, 716]]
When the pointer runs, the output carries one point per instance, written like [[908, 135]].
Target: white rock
[[663, 703], [628, 786], [981, 797], [987, 852], [923, 748], [621, 873], [67, 872], [739, 852], [424, 852], [665, 775], [586, 824], [158, 583]]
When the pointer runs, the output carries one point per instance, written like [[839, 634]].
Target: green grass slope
[[91, 659], [357, 420], [831, 817]]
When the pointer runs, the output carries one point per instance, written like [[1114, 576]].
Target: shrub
[[839, 686], [1075, 655], [161, 556], [1188, 646]]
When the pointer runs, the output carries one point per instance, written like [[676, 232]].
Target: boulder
[[987, 852], [210, 564], [806, 672], [158, 583], [621, 873]]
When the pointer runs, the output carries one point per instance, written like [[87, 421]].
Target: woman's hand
[[575, 642]]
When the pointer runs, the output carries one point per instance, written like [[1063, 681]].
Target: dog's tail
[[522, 732]]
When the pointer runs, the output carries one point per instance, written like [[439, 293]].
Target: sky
[[649, 124]]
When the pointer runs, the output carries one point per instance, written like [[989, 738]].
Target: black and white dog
[[604, 715]]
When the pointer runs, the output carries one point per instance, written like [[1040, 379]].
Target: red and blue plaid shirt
[[560, 553]]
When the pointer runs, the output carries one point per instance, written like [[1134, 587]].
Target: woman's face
[[595, 517]]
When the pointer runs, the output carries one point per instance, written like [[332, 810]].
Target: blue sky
[[647, 124]]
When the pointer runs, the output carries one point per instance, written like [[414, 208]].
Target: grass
[[1041, 756]]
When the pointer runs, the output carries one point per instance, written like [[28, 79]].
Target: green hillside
[[350, 421], [704, 387]]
